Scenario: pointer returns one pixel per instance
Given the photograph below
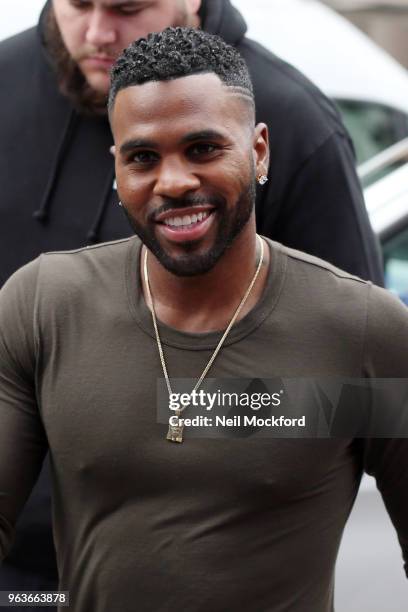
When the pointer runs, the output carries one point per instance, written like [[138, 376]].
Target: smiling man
[[54, 125], [207, 219], [313, 199], [147, 517]]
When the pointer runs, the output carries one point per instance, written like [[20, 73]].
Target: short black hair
[[175, 53]]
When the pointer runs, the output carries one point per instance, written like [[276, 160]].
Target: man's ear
[[261, 149], [112, 150]]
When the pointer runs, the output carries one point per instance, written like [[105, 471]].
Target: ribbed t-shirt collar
[[196, 341]]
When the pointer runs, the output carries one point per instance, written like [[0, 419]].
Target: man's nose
[[101, 29], [175, 178]]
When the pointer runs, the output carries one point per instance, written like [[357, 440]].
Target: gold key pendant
[[175, 433]]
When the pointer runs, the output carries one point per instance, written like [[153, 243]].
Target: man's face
[[95, 32], [186, 157]]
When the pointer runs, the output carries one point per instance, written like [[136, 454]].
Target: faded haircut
[[179, 52]]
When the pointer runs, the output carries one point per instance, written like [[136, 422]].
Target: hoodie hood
[[221, 18], [41, 26], [67, 134], [217, 17]]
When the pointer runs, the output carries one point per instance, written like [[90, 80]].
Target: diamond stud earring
[[262, 179]]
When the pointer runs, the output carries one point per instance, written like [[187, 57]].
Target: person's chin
[[98, 80], [189, 258], [193, 264]]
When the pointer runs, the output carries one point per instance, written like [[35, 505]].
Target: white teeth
[[186, 220]]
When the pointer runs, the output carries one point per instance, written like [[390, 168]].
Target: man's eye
[[144, 157], [80, 4], [203, 149], [132, 8], [127, 10]]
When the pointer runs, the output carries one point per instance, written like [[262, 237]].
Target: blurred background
[[385, 21], [356, 51]]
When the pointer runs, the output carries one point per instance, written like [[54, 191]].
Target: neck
[[207, 302]]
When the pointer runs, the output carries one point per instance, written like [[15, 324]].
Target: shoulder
[[19, 48], [23, 66], [20, 288], [354, 307], [61, 290], [381, 302], [53, 277], [317, 270], [59, 287], [17, 313], [386, 351], [322, 294], [73, 270]]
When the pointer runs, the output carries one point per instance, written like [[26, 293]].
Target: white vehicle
[[387, 205]]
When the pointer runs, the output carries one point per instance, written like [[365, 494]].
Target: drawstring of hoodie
[[42, 213], [92, 235]]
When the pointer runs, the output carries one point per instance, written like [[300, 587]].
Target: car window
[[396, 264], [373, 127]]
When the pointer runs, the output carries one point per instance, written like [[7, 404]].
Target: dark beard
[[71, 81], [228, 229]]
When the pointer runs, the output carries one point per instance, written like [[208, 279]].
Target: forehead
[[201, 101]]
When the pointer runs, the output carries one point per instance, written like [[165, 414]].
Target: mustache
[[186, 202], [71, 81], [86, 52]]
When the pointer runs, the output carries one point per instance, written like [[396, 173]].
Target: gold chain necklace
[[175, 432]]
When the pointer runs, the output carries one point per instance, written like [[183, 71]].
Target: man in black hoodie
[[57, 175]]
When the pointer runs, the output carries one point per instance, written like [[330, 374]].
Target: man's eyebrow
[[202, 135], [137, 143]]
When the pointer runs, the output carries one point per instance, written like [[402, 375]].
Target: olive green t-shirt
[[218, 525]]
